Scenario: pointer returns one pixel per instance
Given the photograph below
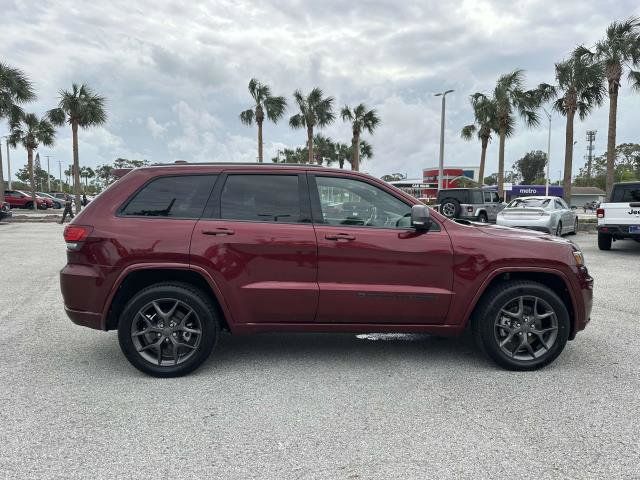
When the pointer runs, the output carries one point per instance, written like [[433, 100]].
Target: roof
[[236, 164], [587, 191]]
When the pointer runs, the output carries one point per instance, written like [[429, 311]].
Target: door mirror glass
[[420, 217]]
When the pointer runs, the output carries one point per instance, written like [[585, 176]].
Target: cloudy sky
[[175, 74]]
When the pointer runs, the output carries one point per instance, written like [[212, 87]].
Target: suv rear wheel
[[450, 208], [482, 218], [604, 241], [521, 325], [168, 329]]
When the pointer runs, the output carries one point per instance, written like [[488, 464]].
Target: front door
[[257, 241], [373, 267]]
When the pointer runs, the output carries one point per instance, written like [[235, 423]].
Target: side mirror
[[420, 217]]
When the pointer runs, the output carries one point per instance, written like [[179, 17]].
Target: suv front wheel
[[168, 329], [521, 325]]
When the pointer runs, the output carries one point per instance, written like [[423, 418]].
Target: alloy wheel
[[448, 210], [526, 328], [166, 332]]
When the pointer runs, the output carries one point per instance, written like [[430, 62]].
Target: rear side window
[[261, 198], [174, 197]]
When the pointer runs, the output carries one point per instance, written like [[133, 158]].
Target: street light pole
[[546, 190], [441, 161]]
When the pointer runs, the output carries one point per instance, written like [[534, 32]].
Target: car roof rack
[[231, 164]]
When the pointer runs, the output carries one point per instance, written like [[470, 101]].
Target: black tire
[[604, 241], [28, 205], [558, 232], [575, 228], [482, 218], [485, 328], [186, 294], [450, 208]]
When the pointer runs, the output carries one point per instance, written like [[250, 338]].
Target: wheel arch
[[136, 278], [553, 279]]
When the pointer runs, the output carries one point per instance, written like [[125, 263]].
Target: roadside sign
[[508, 187]]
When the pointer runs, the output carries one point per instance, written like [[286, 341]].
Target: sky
[[175, 74]]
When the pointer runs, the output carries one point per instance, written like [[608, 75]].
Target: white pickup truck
[[619, 218]]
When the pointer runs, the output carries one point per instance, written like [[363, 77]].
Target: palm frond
[[297, 121], [247, 116], [468, 131], [275, 107]]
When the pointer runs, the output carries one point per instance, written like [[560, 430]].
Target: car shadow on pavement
[[359, 350]]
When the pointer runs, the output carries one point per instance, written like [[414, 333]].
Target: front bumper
[[542, 224]]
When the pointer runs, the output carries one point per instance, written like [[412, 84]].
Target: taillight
[[600, 212], [74, 234]]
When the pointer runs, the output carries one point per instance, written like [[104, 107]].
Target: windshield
[[529, 202]]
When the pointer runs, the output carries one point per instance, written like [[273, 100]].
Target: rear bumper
[[85, 319], [618, 231], [539, 225], [84, 289]]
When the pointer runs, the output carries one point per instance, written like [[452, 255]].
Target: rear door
[[373, 267], [257, 241]]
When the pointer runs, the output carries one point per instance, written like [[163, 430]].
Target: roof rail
[[254, 164]]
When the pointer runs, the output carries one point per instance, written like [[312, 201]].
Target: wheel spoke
[[181, 344], [184, 319], [160, 352], [528, 346], [506, 340], [170, 313], [191, 330], [175, 353], [158, 310], [150, 345], [541, 338], [544, 330], [543, 315]]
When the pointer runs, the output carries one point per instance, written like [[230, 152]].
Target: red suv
[[172, 255], [20, 199]]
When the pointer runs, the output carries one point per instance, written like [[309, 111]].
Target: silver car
[[545, 214]]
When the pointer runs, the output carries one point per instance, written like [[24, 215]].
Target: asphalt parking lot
[[312, 406]]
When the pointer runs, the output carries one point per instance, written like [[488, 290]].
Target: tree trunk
[[501, 163], [568, 156], [260, 141], [76, 167], [310, 145], [483, 157], [32, 182], [355, 153], [611, 140]]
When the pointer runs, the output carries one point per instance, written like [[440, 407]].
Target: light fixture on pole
[[546, 190], [441, 161]]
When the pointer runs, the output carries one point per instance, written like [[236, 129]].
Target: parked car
[[171, 255], [52, 201], [545, 214], [20, 199], [479, 204], [5, 210], [619, 218]]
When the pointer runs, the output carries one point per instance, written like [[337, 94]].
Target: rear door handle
[[218, 231], [339, 236]]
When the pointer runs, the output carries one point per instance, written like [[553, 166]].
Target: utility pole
[[441, 161], [60, 175], [546, 189], [8, 163], [48, 174], [591, 137]]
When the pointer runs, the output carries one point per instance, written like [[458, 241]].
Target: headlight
[[577, 255]]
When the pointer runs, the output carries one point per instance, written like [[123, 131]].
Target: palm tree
[[485, 122], [361, 119], [581, 85], [510, 98], [86, 173], [324, 149], [315, 111], [15, 88], [343, 153], [264, 102], [80, 108], [619, 50], [31, 132]]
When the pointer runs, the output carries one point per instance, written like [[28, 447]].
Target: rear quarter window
[[180, 196]]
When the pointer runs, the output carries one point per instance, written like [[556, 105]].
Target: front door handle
[[218, 231], [339, 236]]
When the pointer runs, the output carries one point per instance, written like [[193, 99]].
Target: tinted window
[[626, 193], [344, 201], [487, 197], [177, 197], [263, 198], [561, 204], [475, 196]]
